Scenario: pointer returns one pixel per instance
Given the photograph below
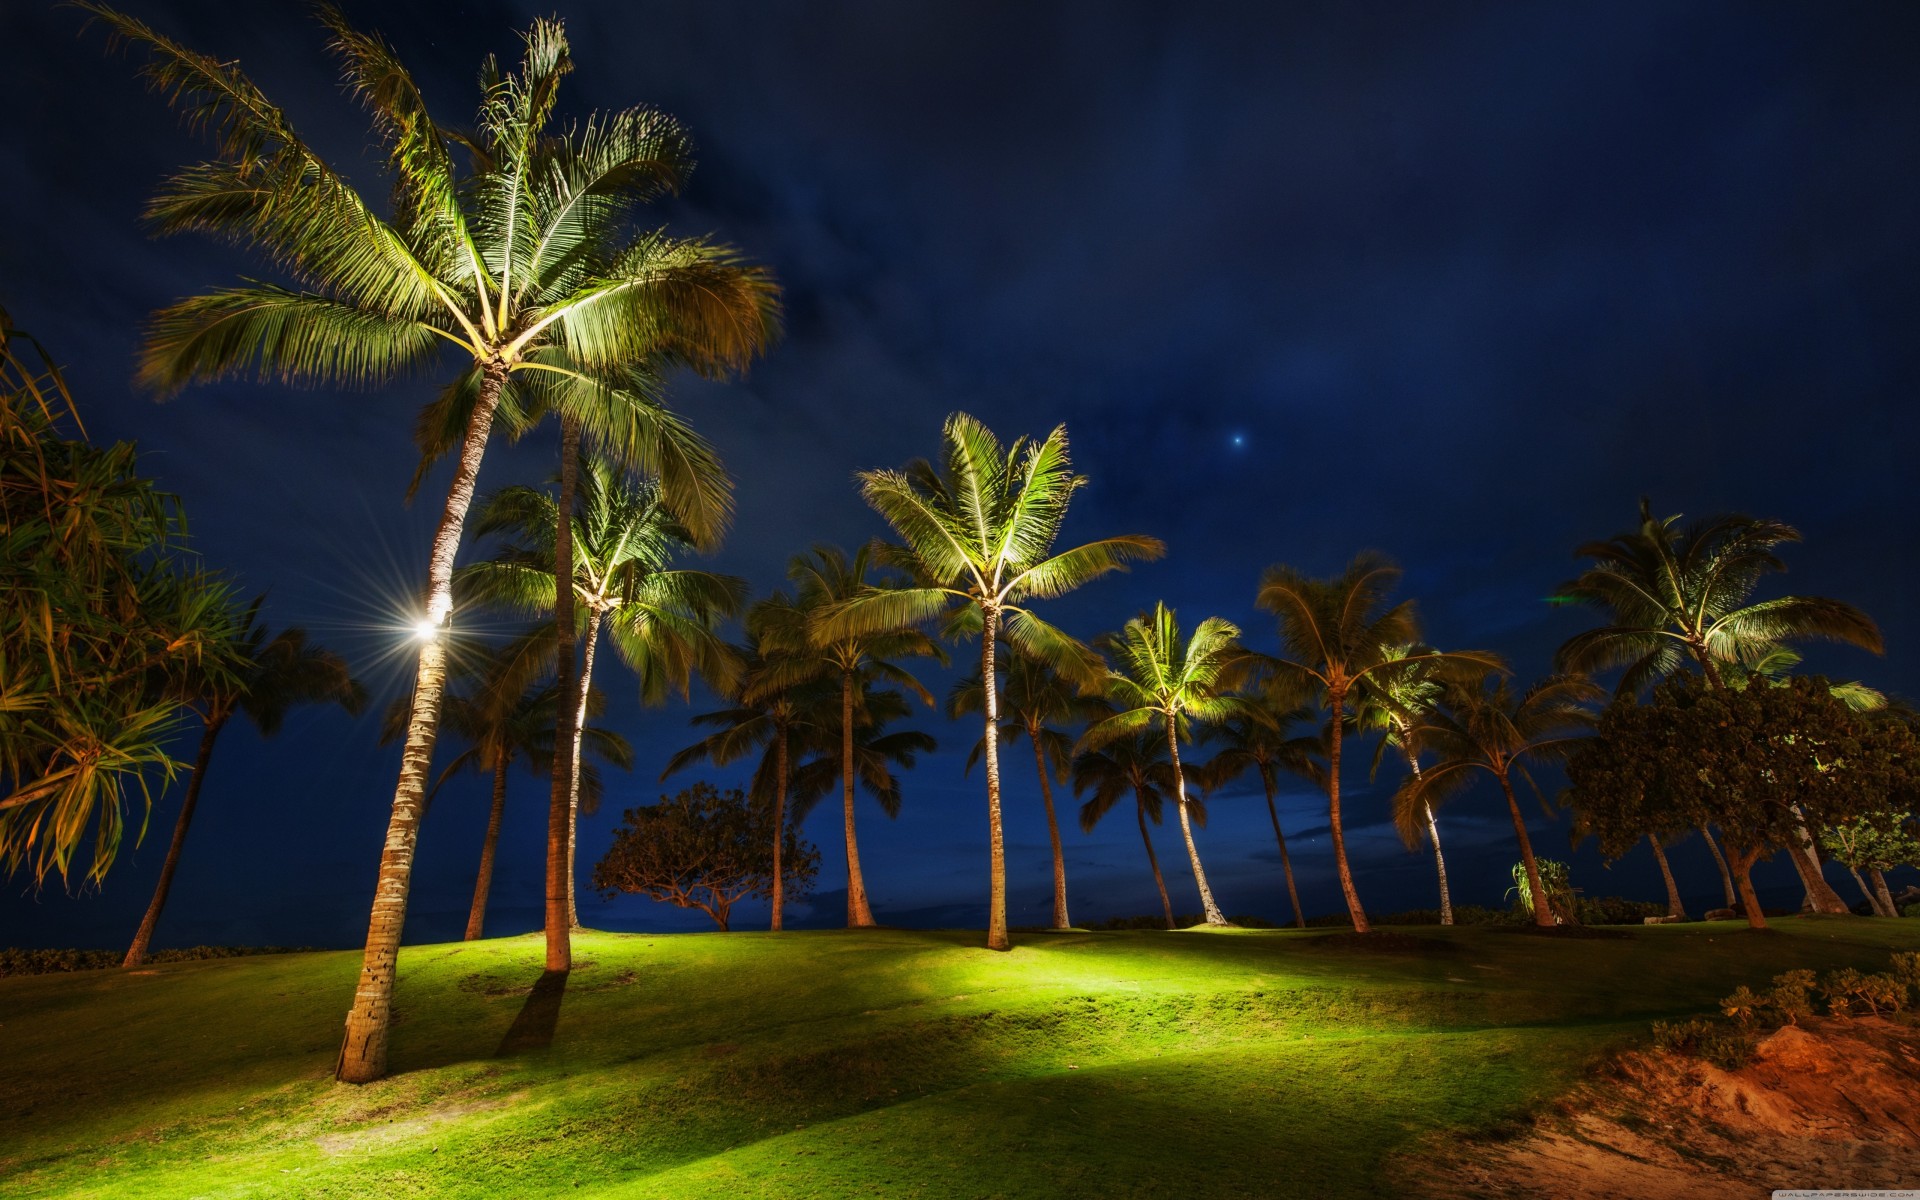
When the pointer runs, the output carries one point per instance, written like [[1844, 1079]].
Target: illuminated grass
[[831, 1064]]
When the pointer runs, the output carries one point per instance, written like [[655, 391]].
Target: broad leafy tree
[[521, 259], [1170, 680], [1873, 843], [705, 849], [978, 532], [1135, 765]]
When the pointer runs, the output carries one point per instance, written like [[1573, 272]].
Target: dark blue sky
[[1456, 282]]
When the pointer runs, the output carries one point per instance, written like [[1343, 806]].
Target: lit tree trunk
[[1542, 903], [1720, 860], [560, 803], [1882, 892], [363, 1051], [1873, 901], [1053, 831], [1286, 863], [1433, 835], [1675, 909], [1140, 804], [1337, 702], [779, 823], [1211, 909], [594, 618], [1806, 860], [859, 915], [137, 953], [997, 938], [1743, 861], [477, 915]]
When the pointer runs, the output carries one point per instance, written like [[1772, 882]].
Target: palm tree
[[526, 265], [979, 533], [1676, 908], [1389, 701], [1171, 680], [771, 714], [824, 577], [1672, 594], [1261, 744], [275, 675], [1035, 699], [1335, 634], [875, 753], [1138, 764], [662, 621], [1486, 727]]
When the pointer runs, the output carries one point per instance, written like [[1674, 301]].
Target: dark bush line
[[53, 962]]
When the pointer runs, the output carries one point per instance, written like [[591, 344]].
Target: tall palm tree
[[978, 534], [823, 578], [875, 753], [1334, 634], [1389, 702], [1676, 907], [526, 265], [275, 675], [772, 714], [1263, 745], [1171, 680], [1485, 727], [662, 621], [1673, 594], [1134, 764], [1035, 699]]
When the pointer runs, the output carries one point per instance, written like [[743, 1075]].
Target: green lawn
[[840, 1064]]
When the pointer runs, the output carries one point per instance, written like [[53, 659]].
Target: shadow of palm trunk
[[533, 1028]]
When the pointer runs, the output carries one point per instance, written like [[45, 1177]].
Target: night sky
[[1456, 282]]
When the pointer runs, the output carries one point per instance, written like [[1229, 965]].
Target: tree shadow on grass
[[539, 1016]]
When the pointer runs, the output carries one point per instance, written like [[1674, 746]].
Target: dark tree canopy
[[705, 849]]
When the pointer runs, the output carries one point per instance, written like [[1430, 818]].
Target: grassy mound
[[889, 1063]]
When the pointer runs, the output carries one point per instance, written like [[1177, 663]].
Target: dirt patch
[[1834, 1104], [1381, 943]]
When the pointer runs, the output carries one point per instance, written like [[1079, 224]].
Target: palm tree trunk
[[1286, 863], [594, 618], [1675, 909], [1433, 835], [559, 805], [1873, 901], [779, 824], [1337, 701], [1883, 892], [859, 915], [1743, 861], [363, 1050], [137, 953], [483, 883], [1806, 860], [1140, 804], [1053, 831], [997, 938], [1207, 905], [1726, 875], [1542, 904]]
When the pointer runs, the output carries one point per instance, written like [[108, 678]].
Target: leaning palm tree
[[275, 675], [526, 265], [1170, 680], [1335, 634], [1135, 764], [1263, 745], [662, 621], [824, 577], [1035, 700], [1485, 727], [978, 534], [1673, 595], [1389, 702]]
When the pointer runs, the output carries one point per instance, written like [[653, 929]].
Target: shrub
[[52, 962], [1616, 910], [1791, 996]]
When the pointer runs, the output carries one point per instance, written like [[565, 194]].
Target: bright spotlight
[[425, 630]]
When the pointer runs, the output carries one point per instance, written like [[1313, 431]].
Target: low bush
[[1747, 1015], [1616, 910], [51, 962]]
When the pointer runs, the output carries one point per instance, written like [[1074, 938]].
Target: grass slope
[[844, 1064]]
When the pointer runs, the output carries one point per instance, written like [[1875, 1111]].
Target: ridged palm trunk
[[1866, 891], [1883, 892], [1212, 910], [1286, 863], [560, 802], [1742, 863], [1806, 860], [1675, 909], [143, 937], [1720, 860], [363, 1050], [997, 938], [1060, 920], [483, 882], [1433, 835], [1337, 701], [859, 914], [1542, 903], [779, 824], [594, 620], [1140, 804]]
